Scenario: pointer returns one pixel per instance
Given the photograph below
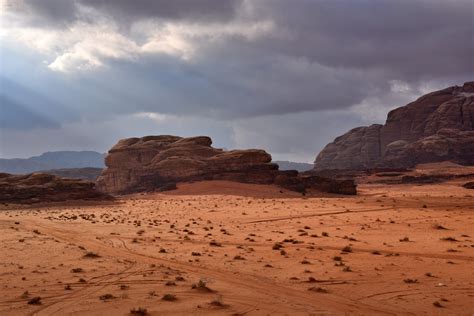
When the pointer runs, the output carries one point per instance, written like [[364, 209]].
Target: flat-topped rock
[[159, 162]]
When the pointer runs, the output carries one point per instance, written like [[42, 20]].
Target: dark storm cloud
[[409, 39], [60, 12]]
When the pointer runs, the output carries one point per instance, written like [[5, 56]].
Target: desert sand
[[222, 248]]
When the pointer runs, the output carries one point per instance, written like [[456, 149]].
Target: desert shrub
[[91, 255], [169, 297], [449, 239], [318, 289], [217, 302], [410, 281], [140, 311], [347, 249], [35, 301], [201, 285], [106, 297]]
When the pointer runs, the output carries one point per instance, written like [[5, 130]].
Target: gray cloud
[[176, 9], [16, 116], [406, 39], [46, 12]]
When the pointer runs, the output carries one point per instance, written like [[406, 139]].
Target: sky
[[287, 76]]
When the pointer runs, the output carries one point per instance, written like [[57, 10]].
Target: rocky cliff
[[438, 126], [159, 162]]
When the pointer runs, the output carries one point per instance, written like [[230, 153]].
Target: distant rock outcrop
[[438, 126], [159, 162], [40, 187]]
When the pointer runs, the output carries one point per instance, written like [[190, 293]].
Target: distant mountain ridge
[[53, 160], [49, 161]]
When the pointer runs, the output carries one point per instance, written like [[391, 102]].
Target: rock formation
[[159, 162], [40, 187], [438, 126], [468, 185], [90, 174]]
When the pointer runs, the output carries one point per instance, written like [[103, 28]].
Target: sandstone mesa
[[160, 162]]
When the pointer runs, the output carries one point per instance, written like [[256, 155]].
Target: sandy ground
[[257, 250]]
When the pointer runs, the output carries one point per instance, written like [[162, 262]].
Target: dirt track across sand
[[392, 250]]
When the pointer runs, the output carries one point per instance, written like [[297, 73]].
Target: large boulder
[[438, 126], [41, 187], [159, 162]]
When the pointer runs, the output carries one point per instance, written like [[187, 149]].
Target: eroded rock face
[[40, 187], [159, 162], [438, 126]]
